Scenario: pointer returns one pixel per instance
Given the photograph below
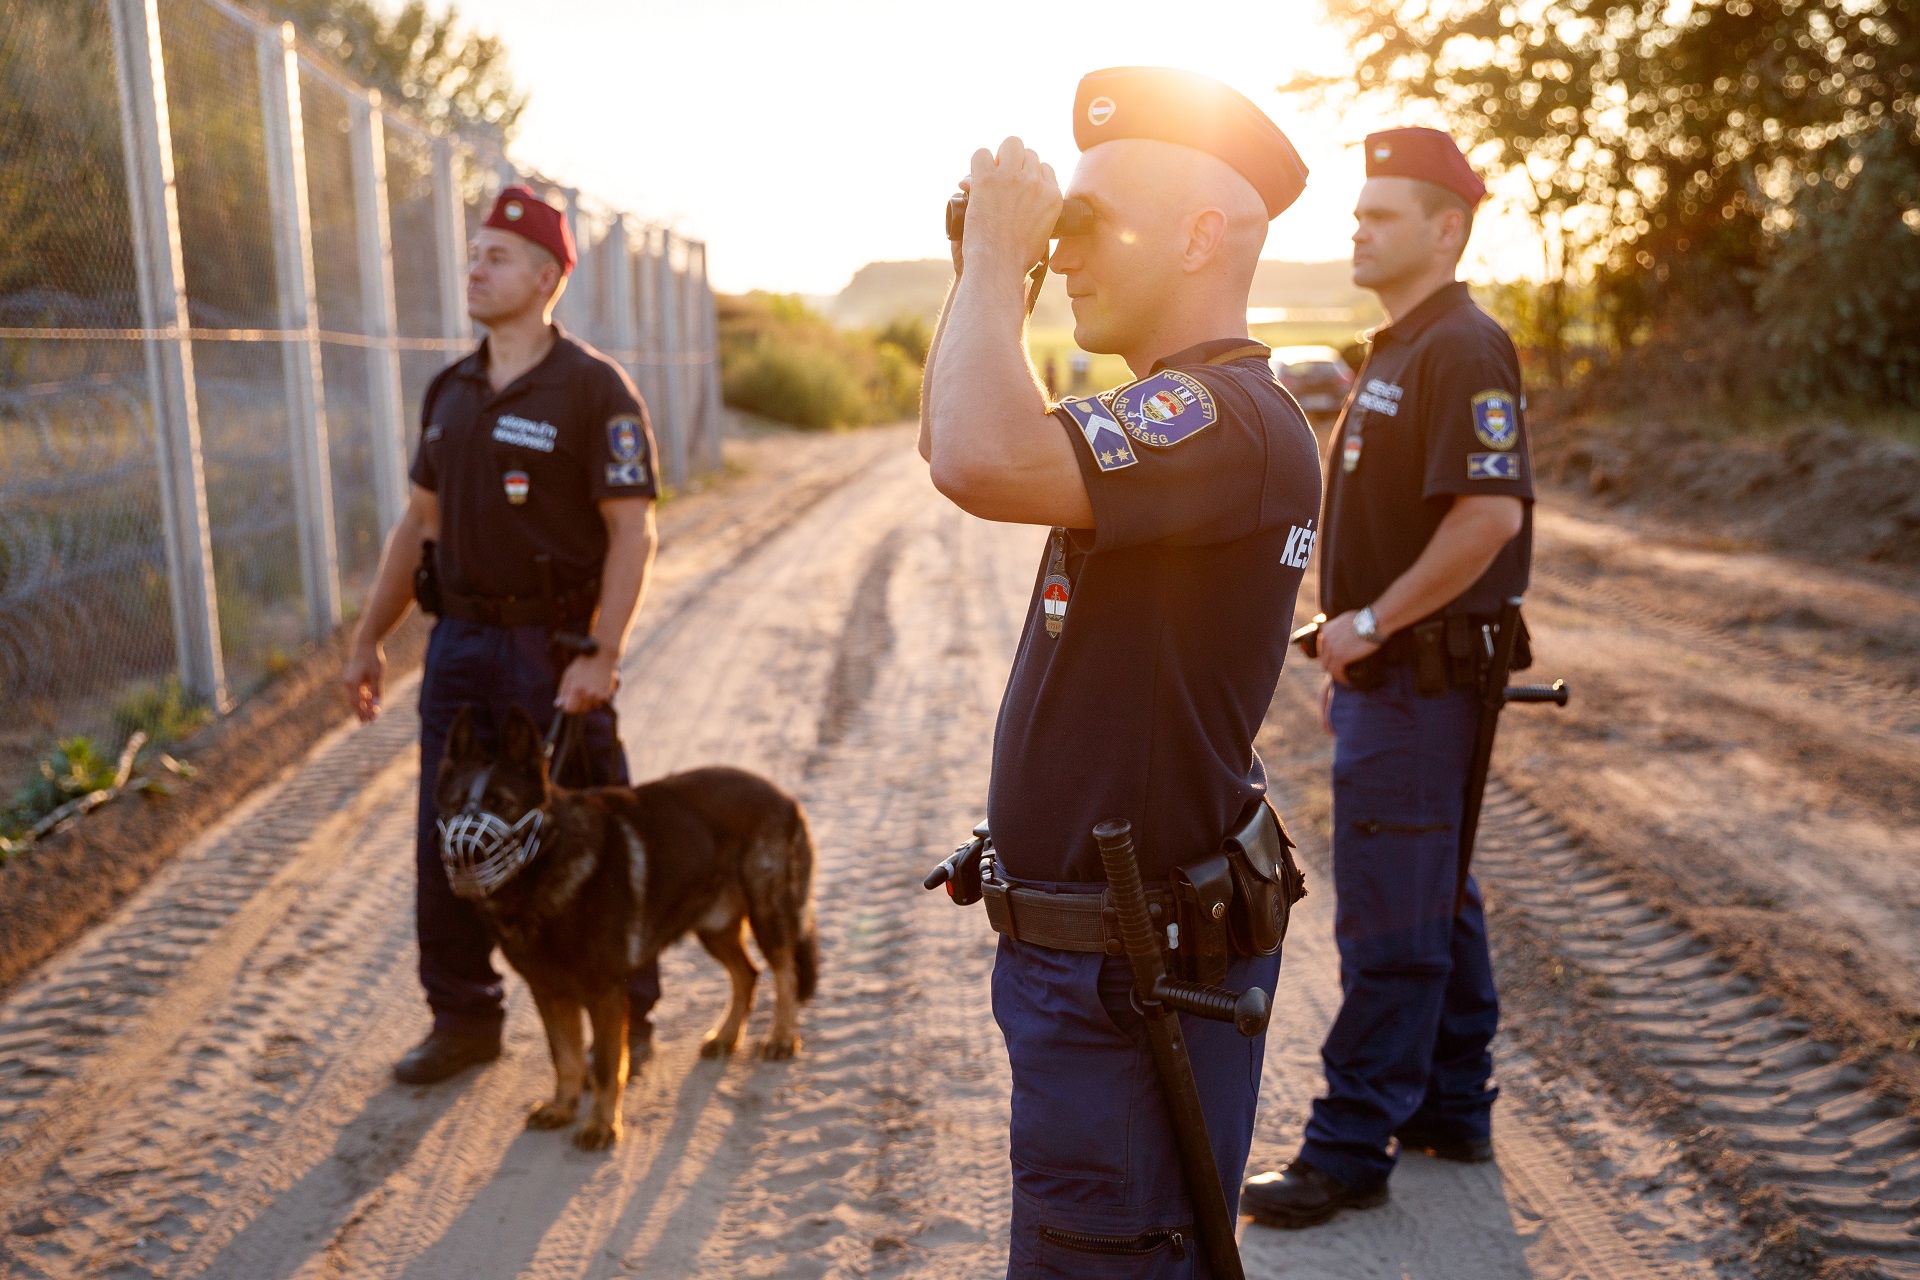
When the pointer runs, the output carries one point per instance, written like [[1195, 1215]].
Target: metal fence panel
[[226, 277]]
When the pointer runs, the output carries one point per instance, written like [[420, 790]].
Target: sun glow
[[804, 138]]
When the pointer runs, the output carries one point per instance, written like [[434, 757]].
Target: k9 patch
[[1111, 449], [1493, 466], [1165, 408], [1494, 420]]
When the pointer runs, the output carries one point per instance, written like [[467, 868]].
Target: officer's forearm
[[1469, 537], [926, 375], [392, 594], [631, 541], [995, 452]]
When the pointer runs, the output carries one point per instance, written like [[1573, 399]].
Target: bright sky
[[804, 138]]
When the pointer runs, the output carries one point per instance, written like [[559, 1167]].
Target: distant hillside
[[882, 291]]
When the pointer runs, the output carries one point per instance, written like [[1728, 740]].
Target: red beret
[[1426, 154], [525, 214], [1189, 109]]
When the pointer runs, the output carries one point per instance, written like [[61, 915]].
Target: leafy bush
[[161, 710], [781, 360], [73, 768]]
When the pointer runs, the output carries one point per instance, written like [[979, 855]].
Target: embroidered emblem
[[1056, 590], [525, 432], [1494, 420], [1165, 408], [624, 439], [1382, 152], [626, 474], [1350, 452], [1493, 466], [1381, 397], [1099, 111], [1111, 449], [517, 485], [514, 211]]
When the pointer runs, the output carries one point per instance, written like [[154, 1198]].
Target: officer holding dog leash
[[530, 521], [1127, 807], [1426, 535]]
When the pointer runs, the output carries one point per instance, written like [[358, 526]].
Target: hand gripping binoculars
[[1076, 218]]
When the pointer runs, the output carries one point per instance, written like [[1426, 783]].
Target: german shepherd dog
[[616, 874]]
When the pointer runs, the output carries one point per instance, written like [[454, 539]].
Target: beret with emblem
[[1169, 105], [1426, 154], [525, 214]]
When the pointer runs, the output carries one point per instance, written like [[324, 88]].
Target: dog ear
[[520, 744], [463, 744]]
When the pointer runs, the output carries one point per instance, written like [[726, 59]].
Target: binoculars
[[1076, 218]]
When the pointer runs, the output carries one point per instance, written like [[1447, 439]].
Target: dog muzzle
[[482, 851]]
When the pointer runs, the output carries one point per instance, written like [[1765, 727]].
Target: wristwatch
[[1365, 626]]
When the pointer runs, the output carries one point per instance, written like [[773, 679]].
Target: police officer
[[1177, 508], [535, 478], [1427, 528]]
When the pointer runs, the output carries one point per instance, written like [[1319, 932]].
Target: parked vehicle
[[1316, 377]]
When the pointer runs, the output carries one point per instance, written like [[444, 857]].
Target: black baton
[[1494, 694], [1158, 998]]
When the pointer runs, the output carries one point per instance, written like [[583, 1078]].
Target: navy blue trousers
[[1419, 1010], [488, 669], [1093, 1151]]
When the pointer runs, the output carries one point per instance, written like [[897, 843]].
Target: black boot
[[445, 1053], [1302, 1196], [1443, 1143]]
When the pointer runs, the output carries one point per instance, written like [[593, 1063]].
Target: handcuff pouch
[[1266, 881], [1203, 894]]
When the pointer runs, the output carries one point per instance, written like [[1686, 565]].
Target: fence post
[[379, 313], [146, 137], [646, 285], [710, 343], [286, 146], [672, 384], [617, 271], [576, 310], [450, 240]]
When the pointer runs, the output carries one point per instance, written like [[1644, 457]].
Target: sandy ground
[[199, 1087]]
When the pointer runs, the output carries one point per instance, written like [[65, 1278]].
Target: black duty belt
[[1063, 921], [572, 608]]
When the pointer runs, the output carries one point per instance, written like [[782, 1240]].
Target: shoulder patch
[[1493, 466], [1494, 420], [1111, 449], [624, 440], [1165, 408]]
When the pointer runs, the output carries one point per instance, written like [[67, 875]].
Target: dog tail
[[806, 952], [806, 964]]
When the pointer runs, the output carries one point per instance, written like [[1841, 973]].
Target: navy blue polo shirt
[[1171, 615], [520, 473], [1437, 411]]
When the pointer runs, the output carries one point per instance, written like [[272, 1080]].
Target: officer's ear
[[463, 744], [520, 745]]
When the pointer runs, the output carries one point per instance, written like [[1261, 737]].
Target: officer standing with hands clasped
[[1178, 508], [533, 494], [1427, 530]]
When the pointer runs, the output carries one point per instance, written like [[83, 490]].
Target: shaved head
[[1177, 229]]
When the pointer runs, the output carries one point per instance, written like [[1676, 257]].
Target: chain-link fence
[[226, 276]]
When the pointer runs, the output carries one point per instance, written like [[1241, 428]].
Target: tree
[[433, 66], [1661, 140]]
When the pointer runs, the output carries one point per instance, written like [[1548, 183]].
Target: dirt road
[[200, 1086]]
